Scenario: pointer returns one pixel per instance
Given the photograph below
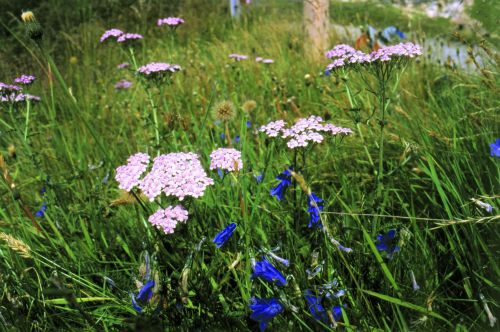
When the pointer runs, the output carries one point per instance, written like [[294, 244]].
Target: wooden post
[[316, 25]]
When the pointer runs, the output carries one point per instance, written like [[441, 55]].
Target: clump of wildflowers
[[128, 175], [264, 310], [25, 79], [262, 60], [128, 37], [123, 84], [226, 159], [167, 219], [158, 71], [305, 130], [170, 21], [238, 57], [176, 174], [112, 33]]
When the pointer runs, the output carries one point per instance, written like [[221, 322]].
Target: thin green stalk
[[26, 126]]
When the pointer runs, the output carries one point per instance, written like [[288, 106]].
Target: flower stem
[[28, 104]]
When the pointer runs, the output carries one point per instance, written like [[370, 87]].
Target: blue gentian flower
[[224, 235], [221, 174], [315, 307], [277, 258], [400, 34], [495, 148], [314, 209], [144, 296], [327, 73], [222, 136], [237, 139], [264, 310], [258, 177], [318, 311], [249, 124], [337, 312], [285, 181], [387, 242], [267, 271], [41, 213]]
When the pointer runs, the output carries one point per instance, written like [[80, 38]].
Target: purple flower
[[128, 37], [113, 33], [158, 70], [144, 296], [264, 310], [388, 243], [285, 181], [170, 21], [249, 124], [25, 79], [314, 208], [258, 177], [6, 89], [123, 65], [495, 148], [318, 311], [228, 159], [167, 219], [41, 212], [267, 271], [221, 238], [123, 84], [238, 57]]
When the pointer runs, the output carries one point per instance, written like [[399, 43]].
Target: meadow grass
[[77, 273]]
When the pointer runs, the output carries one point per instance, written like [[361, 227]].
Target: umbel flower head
[[33, 28], [264, 310], [172, 22], [167, 219], [158, 71], [25, 79], [111, 33], [227, 159], [224, 111]]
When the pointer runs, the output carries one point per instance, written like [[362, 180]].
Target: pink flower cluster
[[158, 69], [112, 33], [170, 21], [25, 79], [8, 88], [345, 55], [120, 36], [238, 57], [21, 97], [127, 37], [226, 159], [128, 176], [167, 219], [123, 84], [262, 60], [176, 174], [274, 128], [305, 130]]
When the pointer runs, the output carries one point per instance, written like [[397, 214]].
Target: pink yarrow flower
[[167, 219], [176, 174], [112, 33], [170, 21], [158, 70], [123, 65], [226, 159], [25, 79], [238, 57], [128, 175], [123, 84], [128, 37], [304, 131]]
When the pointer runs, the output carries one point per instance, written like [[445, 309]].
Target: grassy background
[[441, 123]]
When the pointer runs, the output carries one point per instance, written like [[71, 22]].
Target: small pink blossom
[[167, 219], [226, 159], [128, 175]]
